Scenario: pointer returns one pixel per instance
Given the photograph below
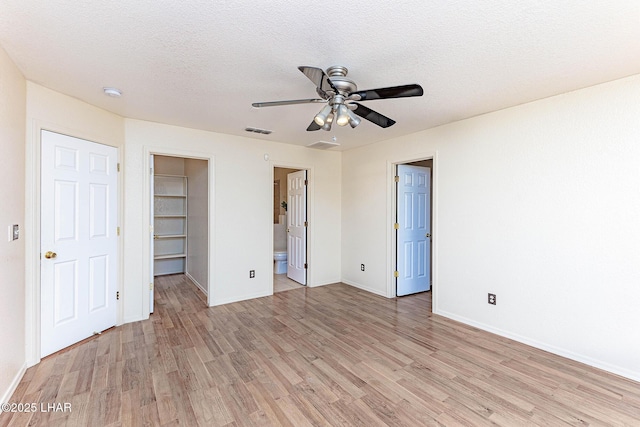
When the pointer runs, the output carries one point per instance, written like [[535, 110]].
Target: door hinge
[[117, 295], [305, 265], [306, 182], [117, 231], [150, 286], [150, 171], [306, 224], [396, 226], [396, 178], [118, 167], [396, 274]]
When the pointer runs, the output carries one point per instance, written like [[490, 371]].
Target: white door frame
[[32, 228], [391, 211], [310, 217], [146, 213]]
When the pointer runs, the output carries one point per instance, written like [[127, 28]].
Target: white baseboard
[[14, 384], [242, 298], [633, 375], [365, 288], [315, 285], [198, 285]]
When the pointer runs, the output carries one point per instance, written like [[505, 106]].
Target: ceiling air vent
[[258, 130], [323, 145]]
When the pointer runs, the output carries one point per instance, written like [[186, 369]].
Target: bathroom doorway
[[289, 228]]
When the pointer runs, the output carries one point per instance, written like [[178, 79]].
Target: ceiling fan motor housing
[[338, 76]]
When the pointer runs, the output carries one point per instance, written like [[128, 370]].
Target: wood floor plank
[[332, 355]]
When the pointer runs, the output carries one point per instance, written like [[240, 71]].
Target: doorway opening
[[413, 225], [289, 228], [179, 220]]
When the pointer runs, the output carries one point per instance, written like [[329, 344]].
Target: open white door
[[78, 244], [413, 240], [151, 232], [297, 226]]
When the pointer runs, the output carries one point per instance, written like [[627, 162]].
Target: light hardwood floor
[[332, 355]]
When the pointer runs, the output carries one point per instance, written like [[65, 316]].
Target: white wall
[[197, 173], [242, 217], [539, 204], [12, 203]]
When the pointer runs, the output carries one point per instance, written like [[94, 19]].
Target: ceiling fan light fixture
[[328, 122], [322, 116], [353, 119], [342, 118]]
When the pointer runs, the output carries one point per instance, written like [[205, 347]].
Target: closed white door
[[78, 266], [297, 226], [413, 241]]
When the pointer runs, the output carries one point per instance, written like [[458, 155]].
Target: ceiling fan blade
[[373, 116], [313, 126], [387, 92], [289, 102], [319, 78]]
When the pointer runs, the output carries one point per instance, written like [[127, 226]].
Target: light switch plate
[[15, 232]]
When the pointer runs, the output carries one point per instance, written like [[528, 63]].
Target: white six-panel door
[[414, 230], [296, 226], [78, 244]]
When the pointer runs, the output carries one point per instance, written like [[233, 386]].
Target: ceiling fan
[[341, 94]]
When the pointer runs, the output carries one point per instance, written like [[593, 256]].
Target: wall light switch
[[15, 232]]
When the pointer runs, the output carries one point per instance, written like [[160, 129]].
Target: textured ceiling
[[201, 64]]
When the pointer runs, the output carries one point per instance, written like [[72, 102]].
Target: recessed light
[[112, 92]]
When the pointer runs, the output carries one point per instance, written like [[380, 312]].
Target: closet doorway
[[179, 220]]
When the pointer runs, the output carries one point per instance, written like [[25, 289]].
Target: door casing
[[391, 212], [310, 215], [147, 213], [32, 222]]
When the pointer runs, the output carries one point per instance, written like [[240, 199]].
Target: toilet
[[280, 265], [280, 246]]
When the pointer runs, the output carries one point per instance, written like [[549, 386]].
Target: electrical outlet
[[361, 267], [252, 274], [491, 299]]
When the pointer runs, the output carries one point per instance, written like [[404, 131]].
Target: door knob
[[428, 235], [50, 255]]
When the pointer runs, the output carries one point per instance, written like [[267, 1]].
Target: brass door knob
[[50, 255]]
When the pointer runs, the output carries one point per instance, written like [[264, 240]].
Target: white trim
[[364, 288], [310, 216], [195, 282], [14, 384], [146, 213], [391, 209], [32, 222], [633, 375], [243, 298]]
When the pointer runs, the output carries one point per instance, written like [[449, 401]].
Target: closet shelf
[[168, 256], [170, 215]]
